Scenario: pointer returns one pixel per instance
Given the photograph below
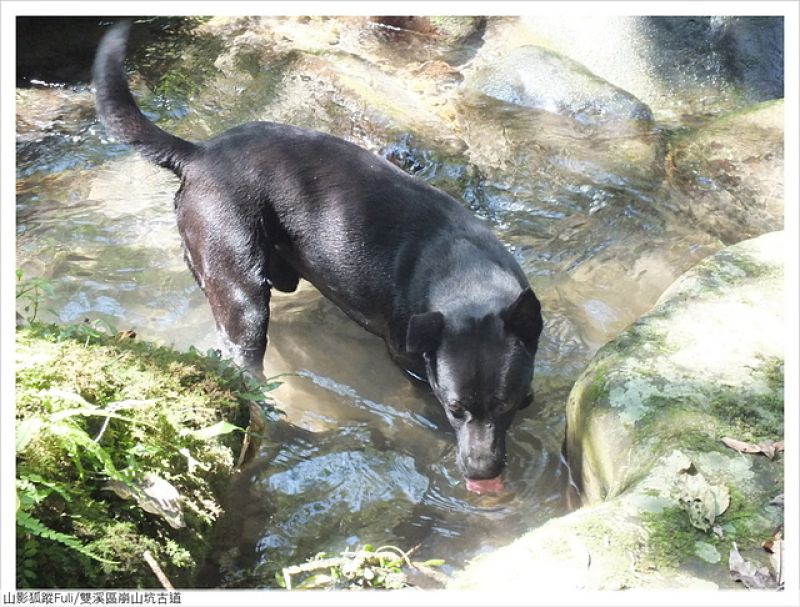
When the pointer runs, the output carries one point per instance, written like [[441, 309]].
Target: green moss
[[671, 538], [640, 336], [699, 422], [594, 530], [729, 122], [63, 466], [753, 417], [743, 521], [671, 423], [597, 387], [772, 370], [730, 268]]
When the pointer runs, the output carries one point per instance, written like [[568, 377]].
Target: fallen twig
[[430, 572], [158, 571]]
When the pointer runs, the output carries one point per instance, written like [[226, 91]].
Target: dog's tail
[[119, 113]]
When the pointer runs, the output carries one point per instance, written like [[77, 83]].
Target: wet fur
[[264, 204]]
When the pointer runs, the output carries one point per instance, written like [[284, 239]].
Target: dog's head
[[480, 370]]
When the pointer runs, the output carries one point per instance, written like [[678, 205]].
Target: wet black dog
[[265, 204]]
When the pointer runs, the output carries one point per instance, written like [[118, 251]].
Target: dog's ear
[[523, 318], [424, 332]]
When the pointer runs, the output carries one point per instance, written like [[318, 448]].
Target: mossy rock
[[704, 363], [313, 72], [456, 29], [68, 380]]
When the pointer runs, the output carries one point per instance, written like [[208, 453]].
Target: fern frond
[[35, 527]]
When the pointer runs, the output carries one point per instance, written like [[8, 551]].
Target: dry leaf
[[768, 544], [153, 494], [747, 573], [767, 448], [703, 501], [770, 449], [740, 446], [776, 560]]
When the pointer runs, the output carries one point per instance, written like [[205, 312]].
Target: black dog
[[263, 205]]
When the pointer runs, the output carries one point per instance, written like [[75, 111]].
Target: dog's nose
[[483, 465]]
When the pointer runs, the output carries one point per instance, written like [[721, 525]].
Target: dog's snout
[[483, 465], [481, 451]]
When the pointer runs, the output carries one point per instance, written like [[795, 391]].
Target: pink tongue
[[486, 485]]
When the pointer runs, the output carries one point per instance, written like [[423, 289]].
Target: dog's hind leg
[[241, 312], [232, 272]]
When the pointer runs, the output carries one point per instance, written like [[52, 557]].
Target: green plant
[[87, 331], [32, 489], [32, 290], [89, 459], [353, 569], [97, 414]]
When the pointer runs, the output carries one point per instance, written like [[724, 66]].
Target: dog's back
[[363, 223]]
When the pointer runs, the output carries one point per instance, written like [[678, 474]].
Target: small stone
[[707, 552]]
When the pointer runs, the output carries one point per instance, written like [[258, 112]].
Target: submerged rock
[[728, 175], [329, 74], [534, 119], [451, 29], [312, 493], [663, 495]]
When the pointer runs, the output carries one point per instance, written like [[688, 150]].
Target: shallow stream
[[364, 455]]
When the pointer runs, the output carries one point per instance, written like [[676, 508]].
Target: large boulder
[[705, 362], [675, 64], [728, 175], [666, 501], [538, 78], [318, 73], [534, 108]]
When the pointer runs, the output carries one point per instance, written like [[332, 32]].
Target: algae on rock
[[707, 362]]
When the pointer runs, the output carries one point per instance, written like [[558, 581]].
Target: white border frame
[[789, 9]]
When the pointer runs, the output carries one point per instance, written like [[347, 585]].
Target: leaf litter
[[754, 576], [768, 448]]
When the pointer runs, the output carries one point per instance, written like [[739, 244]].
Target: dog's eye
[[456, 409], [502, 407]]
